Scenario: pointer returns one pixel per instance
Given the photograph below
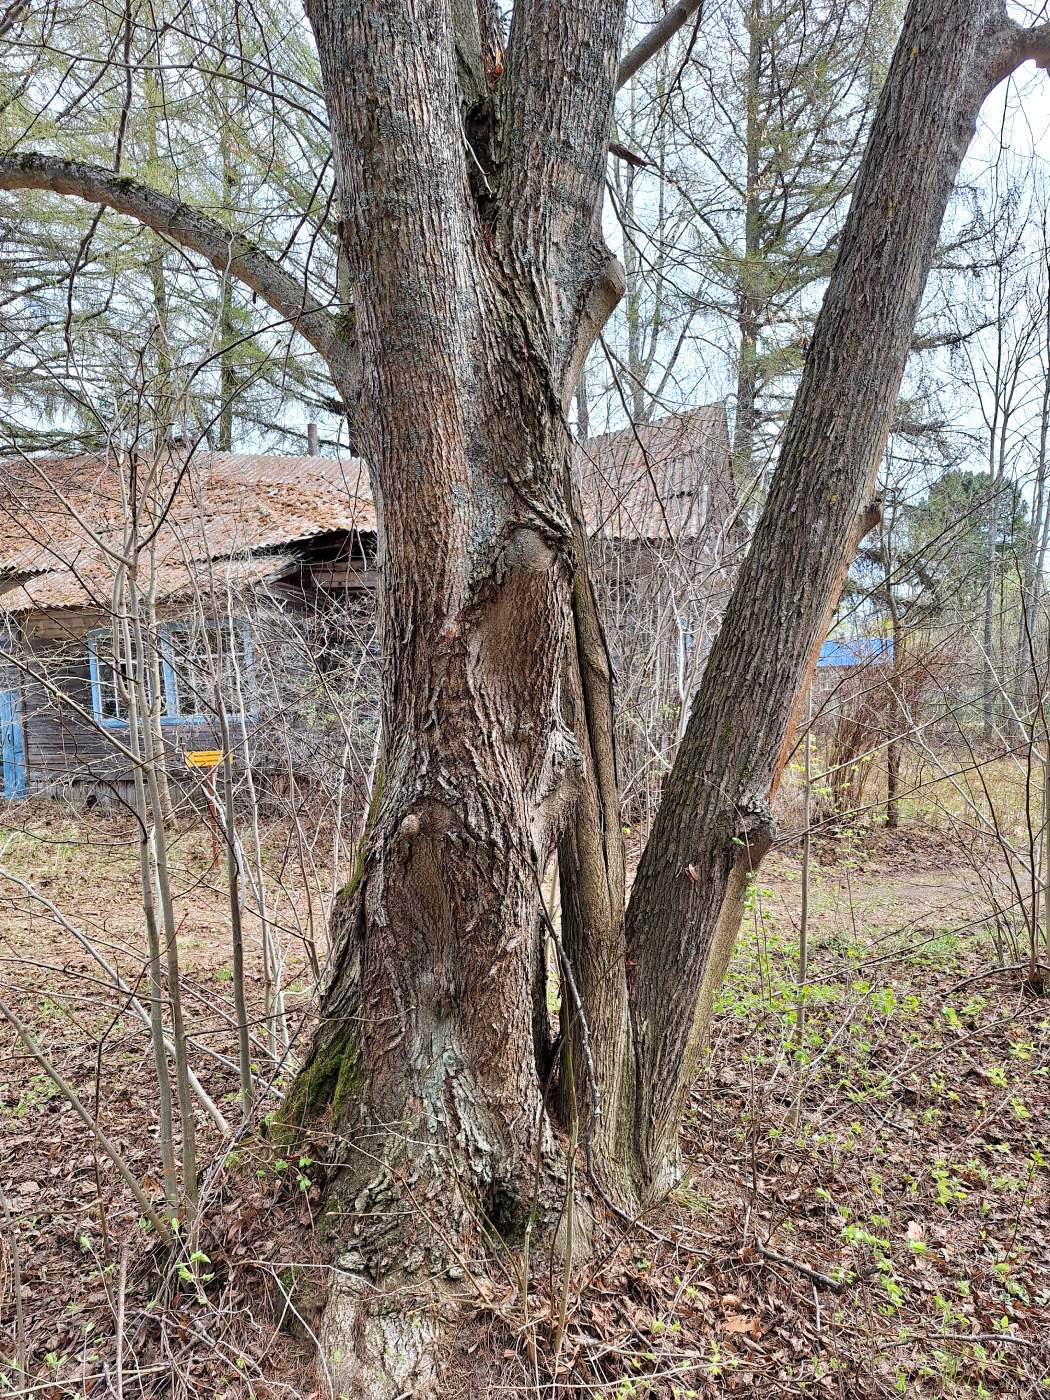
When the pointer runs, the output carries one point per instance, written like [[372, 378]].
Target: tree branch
[[228, 252], [660, 34], [559, 91], [1034, 44], [1010, 44], [10, 17]]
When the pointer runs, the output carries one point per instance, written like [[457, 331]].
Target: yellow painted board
[[203, 758]]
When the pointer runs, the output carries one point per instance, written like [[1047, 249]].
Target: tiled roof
[[64, 522]]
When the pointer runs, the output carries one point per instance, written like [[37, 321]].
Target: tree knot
[[754, 827]]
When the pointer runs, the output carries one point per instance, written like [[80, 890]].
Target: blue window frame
[[190, 652], [108, 688], [14, 753]]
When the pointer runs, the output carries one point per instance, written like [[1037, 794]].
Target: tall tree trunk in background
[[1027, 649], [227, 329], [632, 306], [714, 824], [163, 387], [748, 301], [227, 371], [583, 408], [164, 399], [1010, 357], [991, 581]]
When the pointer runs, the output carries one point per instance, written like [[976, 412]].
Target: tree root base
[[381, 1343]]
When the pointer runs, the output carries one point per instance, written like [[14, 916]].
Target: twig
[[21, 1358], [122, 1285], [837, 1285], [130, 1180], [207, 1103]]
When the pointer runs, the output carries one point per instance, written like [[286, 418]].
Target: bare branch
[[14, 12], [660, 34], [1011, 44], [229, 253]]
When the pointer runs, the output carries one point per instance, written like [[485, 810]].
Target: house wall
[[315, 704], [55, 683], [311, 697], [662, 603]]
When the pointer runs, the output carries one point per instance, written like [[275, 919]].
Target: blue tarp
[[860, 651]]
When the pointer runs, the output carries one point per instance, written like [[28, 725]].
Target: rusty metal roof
[[172, 580], [65, 523], [663, 480]]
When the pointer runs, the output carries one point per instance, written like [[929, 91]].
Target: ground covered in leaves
[[864, 1211]]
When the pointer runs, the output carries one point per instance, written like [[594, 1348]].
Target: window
[[195, 655], [109, 681], [192, 654], [106, 693]]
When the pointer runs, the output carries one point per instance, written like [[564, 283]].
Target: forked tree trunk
[[468, 186]]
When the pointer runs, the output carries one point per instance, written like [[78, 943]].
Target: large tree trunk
[[431, 1056], [468, 187], [714, 824], [428, 1058]]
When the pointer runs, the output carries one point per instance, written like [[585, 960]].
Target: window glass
[[108, 702], [198, 653], [193, 653]]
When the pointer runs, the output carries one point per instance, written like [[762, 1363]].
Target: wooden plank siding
[[298, 632]]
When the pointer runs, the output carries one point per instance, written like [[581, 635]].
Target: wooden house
[[666, 534], [219, 594], [220, 577]]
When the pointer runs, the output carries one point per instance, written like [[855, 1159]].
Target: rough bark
[[592, 867], [470, 305], [714, 823], [468, 186]]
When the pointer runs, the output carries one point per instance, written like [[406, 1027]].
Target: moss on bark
[[331, 1076]]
